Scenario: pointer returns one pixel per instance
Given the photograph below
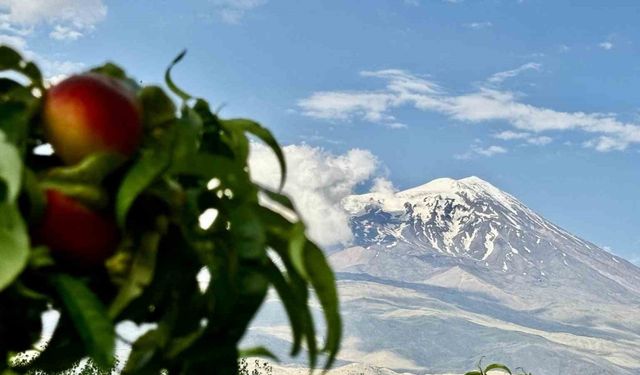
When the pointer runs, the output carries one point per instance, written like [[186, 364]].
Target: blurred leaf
[[188, 132], [324, 284], [14, 244], [91, 170], [91, 195], [258, 351], [14, 121], [40, 257], [143, 350], [263, 134], [279, 198], [140, 274], [148, 167], [297, 249], [169, 81], [11, 60], [291, 304], [110, 69], [180, 344], [497, 366], [89, 318], [157, 107], [247, 233], [10, 169], [114, 71], [35, 196]]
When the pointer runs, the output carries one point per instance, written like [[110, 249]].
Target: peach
[[92, 113], [76, 233]]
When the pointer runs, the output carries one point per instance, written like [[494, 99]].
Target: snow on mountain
[[477, 224], [447, 272]]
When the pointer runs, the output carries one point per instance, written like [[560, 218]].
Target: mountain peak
[[474, 180], [450, 185], [466, 217]]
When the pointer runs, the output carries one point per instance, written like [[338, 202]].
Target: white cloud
[[64, 33], [396, 125], [369, 105], [606, 45], [232, 11], [509, 135], [482, 105], [14, 41], [478, 25], [482, 151], [69, 18], [540, 141], [317, 182], [605, 144], [382, 185], [502, 76]]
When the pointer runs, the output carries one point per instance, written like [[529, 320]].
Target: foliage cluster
[[190, 161]]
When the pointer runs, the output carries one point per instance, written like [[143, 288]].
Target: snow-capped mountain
[[447, 272], [471, 222]]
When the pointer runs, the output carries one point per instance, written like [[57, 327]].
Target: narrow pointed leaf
[[10, 170], [169, 81], [324, 284], [14, 244], [150, 165], [264, 135], [89, 318]]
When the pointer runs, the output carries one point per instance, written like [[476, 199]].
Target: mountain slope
[[445, 273]]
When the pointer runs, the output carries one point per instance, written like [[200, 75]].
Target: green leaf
[[40, 257], [14, 121], [143, 350], [297, 249], [247, 233], [231, 173], [157, 108], [10, 169], [11, 60], [279, 198], [473, 373], [89, 318], [324, 284], [14, 244], [497, 366], [35, 196], [110, 69], [114, 71], [259, 351], [265, 135], [91, 195], [140, 274], [180, 344], [91, 170], [291, 302], [149, 166], [188, 131], [167, 78]]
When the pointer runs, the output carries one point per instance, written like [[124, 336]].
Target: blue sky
[[538, 97]]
